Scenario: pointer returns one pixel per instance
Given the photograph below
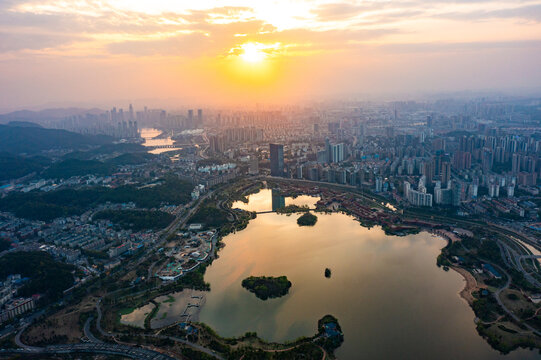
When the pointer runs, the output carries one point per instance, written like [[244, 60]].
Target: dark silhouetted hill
[[105, 150], [14, 166], [17, 139], [132, 158], [23, 124], [75, 167]]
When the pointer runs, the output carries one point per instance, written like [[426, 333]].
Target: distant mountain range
[[23, 124], [47, 114]]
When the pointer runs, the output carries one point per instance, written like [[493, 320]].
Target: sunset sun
[[253, 52]]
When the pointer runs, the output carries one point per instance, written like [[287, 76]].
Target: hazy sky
[[262, 50]]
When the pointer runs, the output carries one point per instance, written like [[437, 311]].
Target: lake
[[389, 296]]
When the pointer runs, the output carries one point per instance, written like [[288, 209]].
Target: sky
[[200, 52]]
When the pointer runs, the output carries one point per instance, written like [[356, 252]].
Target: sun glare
[[253, 52]]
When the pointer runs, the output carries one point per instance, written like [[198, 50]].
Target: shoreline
[[470, 286]]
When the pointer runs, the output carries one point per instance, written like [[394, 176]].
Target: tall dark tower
[[277, 159]]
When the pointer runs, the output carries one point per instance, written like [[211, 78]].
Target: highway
[[93, 348]]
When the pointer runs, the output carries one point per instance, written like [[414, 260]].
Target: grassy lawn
[[169, 299], [517, 303], [126, 311]]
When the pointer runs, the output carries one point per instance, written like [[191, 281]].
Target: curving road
[[500, 302], [88, 333]]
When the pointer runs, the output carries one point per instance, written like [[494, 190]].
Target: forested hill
[[14, 166], [29, 139]]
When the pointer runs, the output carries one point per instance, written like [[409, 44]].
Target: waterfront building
[[420, 197], [277, 159]]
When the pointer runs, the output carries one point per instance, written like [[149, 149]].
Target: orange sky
[[236, 52]]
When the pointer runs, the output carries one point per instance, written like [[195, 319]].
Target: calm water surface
[[386, 291], [149, 136]]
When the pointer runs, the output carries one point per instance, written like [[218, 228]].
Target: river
[[389, 296], [152, 137]]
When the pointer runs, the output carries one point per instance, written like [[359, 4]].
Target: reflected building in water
[[278, 201]]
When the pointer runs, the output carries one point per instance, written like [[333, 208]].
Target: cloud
[[458, 47], [180, 45], [19, 41], [212, 31], [205, 39], [530, 12], [343, 11], [107, 48]]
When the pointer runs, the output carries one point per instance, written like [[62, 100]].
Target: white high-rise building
[[379, 184], [407, 188], [337, 153]]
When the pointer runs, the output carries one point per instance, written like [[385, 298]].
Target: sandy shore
[[471, 284]]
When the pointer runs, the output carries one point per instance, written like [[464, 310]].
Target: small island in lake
[[327, 272], [307, 219], [330, 333], [265, 287]]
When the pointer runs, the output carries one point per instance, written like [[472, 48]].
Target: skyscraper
[[445, 172], [199, 118], [515, 163], [379, 184], [337, 153], [277, 159], [328, 150], [190, 119]]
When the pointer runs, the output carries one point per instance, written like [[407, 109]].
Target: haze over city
[[94, 53]]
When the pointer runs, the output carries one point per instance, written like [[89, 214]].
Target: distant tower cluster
[[333, 153], [194, 123], [126, 125]]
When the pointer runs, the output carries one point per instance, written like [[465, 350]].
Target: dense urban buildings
[[149, 194]]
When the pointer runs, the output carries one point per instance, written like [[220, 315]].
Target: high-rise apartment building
[[277, 159]]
